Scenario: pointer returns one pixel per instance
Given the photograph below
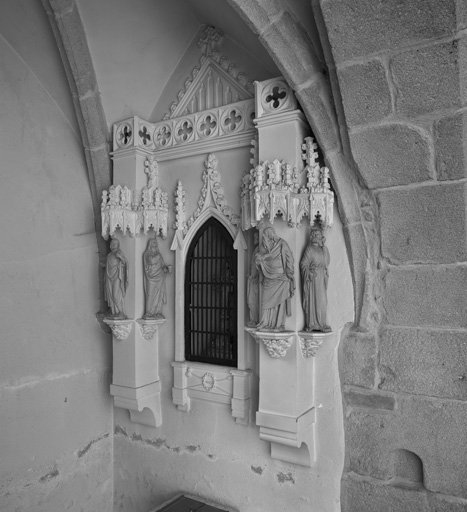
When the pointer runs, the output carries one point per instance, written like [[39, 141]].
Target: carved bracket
[[120, 328], [144, 403], [310, 342], [148, 328], [276, 343]]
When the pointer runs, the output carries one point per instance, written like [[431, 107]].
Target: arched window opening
[[211, 297]]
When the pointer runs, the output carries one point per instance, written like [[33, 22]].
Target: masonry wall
[[55, 410], [401, 70]]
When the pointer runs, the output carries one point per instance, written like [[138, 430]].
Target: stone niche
[[285, 189]]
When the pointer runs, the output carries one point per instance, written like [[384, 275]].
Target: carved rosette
[[309, 343], [120, 328]]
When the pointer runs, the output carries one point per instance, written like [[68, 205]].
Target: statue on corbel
[[314, 271], [155, 272], [274, 274], [116, 281]]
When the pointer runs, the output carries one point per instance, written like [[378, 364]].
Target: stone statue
[[116, 280], [155, 271], [253, 285], [277, 286], [314, 271]]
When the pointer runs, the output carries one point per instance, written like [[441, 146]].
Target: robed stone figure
[[253, 285], [276, 266], [155, 271], [314, 272], [116, 280]]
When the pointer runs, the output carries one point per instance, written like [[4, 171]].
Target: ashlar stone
[[451, 147], [369, 496], [424, 225], [370, 401], [365, 92], [432, 429], [292, 49], [442, 503], [389, 155], [315, 102], [358, 356], [259, 14], [420, 75], [353, 26], [427, 296], [422, 362]]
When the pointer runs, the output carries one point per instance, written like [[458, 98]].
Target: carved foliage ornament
[[136, 211], [309, 346], [275, 188], [120, 328], [212, 192], [276, 347]]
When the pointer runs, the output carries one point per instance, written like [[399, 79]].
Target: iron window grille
[[211, 297]]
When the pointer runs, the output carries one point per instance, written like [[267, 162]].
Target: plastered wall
[[55, 410], [204, 452]]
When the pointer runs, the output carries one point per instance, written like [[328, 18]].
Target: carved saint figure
[[314, 271], [253, 285], [155, 271], [277, 287], [116, 280], [152, 171]]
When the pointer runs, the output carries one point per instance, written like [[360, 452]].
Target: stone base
[[144, 403], [292, 439]]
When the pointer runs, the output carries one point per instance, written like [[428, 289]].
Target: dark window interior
[[211, 297]]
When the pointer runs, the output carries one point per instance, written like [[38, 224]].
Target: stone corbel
[[144, 402], [148, 328], [120, 328], [276, 343], [310, 342]]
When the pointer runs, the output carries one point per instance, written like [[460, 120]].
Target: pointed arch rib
[[71, 40]]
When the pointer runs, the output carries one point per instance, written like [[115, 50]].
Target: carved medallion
[[208, 381]]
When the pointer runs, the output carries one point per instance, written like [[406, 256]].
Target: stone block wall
[[401, 73]]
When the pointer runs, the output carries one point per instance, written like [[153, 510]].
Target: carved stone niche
[[130, 213], [194, 380], [285, 184]]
